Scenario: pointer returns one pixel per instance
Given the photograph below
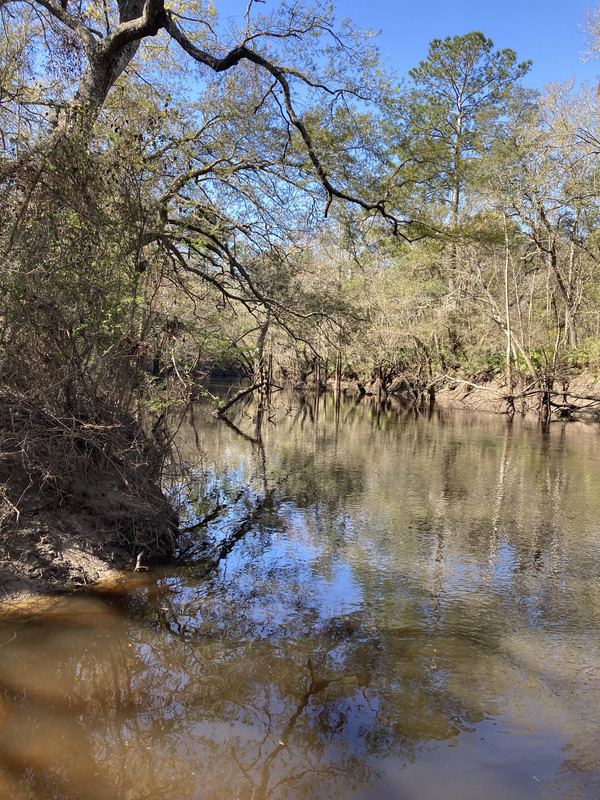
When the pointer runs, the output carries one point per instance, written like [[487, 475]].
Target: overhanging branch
[[243, 53]]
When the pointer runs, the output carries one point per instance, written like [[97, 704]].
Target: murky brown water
[[388, 607]]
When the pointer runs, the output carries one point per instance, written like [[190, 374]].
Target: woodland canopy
[[180, 193]]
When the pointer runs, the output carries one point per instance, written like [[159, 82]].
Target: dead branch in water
[[232, 426], [218, 412], [530, 391]]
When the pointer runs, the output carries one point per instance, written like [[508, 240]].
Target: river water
[[373, 603]]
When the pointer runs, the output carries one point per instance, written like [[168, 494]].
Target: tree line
[[183, 193]]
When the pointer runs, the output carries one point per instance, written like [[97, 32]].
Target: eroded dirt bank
[[576, 397], [572, 396], [78, 499]]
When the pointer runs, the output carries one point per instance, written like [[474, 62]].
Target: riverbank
[[79, 499], [572, 397], [575, 396]]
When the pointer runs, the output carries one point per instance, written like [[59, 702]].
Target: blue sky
[[546, 31]]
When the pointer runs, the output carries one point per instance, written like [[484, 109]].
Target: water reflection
[[374, 604]]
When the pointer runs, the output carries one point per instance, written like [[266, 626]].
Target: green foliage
[[460, 94], [168, 219], [586, 355]]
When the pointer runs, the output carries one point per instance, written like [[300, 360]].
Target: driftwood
[[218, 412], [532, 390], [225, 406], [232, 426]]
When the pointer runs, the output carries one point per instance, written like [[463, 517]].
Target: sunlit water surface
[[382, 605]]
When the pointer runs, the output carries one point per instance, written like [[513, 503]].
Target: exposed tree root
[[77, 497]]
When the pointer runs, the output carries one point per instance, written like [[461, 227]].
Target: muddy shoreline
[[574, 397], [78, 546], [80, 499]]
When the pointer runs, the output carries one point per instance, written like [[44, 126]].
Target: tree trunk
[[338, 375], [261, 370], [509, 377]]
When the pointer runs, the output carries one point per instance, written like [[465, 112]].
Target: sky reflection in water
[[386, 607]]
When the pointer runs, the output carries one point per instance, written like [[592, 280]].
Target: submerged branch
[[218, 412]]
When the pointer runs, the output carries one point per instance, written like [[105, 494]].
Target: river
[[373, 603]]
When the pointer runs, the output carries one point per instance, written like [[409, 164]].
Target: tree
[[163, 151], [460, 93], [543, 171], [443, 124]]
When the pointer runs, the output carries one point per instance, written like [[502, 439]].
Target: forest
[[184, 198]]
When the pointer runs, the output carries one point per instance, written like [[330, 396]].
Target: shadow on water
[[373, 603]]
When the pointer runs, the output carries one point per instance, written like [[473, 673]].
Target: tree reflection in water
[[105, 708], [367, 610]]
